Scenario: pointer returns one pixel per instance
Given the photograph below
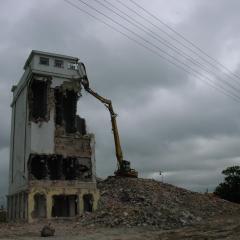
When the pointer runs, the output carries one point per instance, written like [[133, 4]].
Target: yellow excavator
[[124, 169]]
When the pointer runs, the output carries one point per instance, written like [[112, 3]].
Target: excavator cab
[[124, 169]]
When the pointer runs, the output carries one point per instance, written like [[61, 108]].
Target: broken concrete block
[[47, 231]]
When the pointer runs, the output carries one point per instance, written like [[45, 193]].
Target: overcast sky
[[169, 120]]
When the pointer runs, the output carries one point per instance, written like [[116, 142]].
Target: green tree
[[230, 188]]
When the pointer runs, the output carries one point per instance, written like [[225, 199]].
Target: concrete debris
[[47, 231], [144, 202]]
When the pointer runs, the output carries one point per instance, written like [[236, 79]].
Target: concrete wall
[[10, 180], [17, 206], [18, 143], [42, 136]]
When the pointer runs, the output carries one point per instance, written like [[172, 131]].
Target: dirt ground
[[217, 228]]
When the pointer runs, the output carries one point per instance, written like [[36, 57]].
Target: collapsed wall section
[[56, 167], [71, 157]]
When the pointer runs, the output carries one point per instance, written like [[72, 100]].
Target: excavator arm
[[123, 165], [113, 115]]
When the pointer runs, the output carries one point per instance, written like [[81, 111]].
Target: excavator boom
[[124, 169], [113, 116]]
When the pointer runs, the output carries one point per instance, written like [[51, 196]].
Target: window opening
[[44, 61], [58, 63], [39, 206], [88, 202], [72, 66], [38, 101], [64, 205]]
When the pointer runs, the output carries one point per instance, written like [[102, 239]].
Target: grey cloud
[[212, 23], [191, 179], [167, 118]]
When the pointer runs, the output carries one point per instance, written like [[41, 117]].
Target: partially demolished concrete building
[[52, 163]]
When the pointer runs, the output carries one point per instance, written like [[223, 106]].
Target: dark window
[[56, 167], [58, 106], [66, 107], [69, 110], [81, 125], [38, 167], [38, 99], [69, 168], [64, 205], [88, 202], [44, 61], [58, 63], [39, 206]]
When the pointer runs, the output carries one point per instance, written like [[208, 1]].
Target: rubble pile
[[146, 202]]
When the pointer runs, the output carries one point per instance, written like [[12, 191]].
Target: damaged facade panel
[[69, 146], [56, 167], [65, 206], [52, 163], [38, 99], [65, 113], [69, 110]]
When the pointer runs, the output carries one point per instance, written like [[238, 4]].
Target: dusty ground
[[217, 228]]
